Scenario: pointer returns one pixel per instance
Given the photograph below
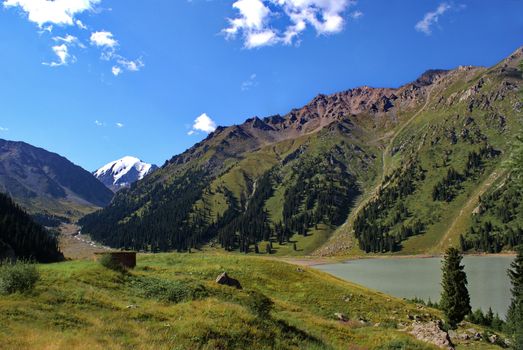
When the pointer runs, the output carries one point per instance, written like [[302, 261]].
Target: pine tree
[[515, 311], [455, 299]]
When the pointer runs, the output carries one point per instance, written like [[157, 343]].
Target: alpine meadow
[[261, 174]]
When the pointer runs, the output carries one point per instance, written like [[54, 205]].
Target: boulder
[[493, 339], [341, 317], [431, 332], [224, 279]]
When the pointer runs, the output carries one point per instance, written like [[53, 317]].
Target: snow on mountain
[[123, 172]]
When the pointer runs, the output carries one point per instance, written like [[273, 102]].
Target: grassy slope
[[412, 137], [81, 305]]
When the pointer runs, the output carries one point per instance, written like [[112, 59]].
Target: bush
[[167, 290], [259, 304], [19, 277]]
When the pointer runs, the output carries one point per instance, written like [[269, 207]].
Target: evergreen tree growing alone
[[455, 299], [515, 311]]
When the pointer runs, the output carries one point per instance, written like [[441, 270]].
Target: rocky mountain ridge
[[298, 175]]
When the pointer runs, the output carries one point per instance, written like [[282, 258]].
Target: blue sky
[[95, 80]]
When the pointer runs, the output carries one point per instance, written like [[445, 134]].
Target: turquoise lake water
[[489, 285]]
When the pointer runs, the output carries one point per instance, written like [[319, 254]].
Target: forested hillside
[[22, 238], [404, 161]]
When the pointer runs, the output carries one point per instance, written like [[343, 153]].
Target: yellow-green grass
[[82, 305], [305, 245]]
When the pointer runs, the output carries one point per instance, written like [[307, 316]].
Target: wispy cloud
[[432, 18], [68, 39], [249, 83], [119, 125], [2, 129], [203, 123], [255, 20], [356, 14], [99, 123]]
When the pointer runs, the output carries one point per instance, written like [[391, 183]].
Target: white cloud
[[119, 125], [60, 12], [130, 65], [431, 18], [257, 39], [116, 71], [62, 50], [48, 14], [203, 123], [254, 19], [81, 24], [3, 129], [64, 57], [99, 123], [103, 39], [124, 64], [69, 39]]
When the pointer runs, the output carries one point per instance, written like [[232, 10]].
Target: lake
[[489, 285]]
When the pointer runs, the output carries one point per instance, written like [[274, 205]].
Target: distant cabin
[[126, 259]]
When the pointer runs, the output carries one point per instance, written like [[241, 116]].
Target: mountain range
[[123, 172], [363, 170], [48, 185]]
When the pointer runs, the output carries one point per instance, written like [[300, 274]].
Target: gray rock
[[431, 332], [463, 336], [224, 279], [493, 339], [341, 317]]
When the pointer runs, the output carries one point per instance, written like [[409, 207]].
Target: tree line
[[165, 216], [385, 221], [27, 239]]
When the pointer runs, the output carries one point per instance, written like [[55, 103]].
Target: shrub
[[19, 277], [166, 290]]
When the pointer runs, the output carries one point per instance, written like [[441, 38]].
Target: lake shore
[[314, 261]]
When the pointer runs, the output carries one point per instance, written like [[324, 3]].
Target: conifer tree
[[455, 299], [515, 311]]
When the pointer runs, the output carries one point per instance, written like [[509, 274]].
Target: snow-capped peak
[[123, 172]]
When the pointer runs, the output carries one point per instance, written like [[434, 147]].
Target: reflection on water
[[489, 285]]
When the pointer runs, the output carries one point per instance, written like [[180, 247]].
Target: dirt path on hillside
[[75, 245], [467, 210]]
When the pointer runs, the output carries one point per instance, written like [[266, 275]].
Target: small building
[[126, 259]]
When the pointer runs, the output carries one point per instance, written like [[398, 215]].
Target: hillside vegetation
[[170, 301], [22, 238], [387, 170]]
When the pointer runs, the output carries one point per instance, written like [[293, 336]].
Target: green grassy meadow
[[170, 301]]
